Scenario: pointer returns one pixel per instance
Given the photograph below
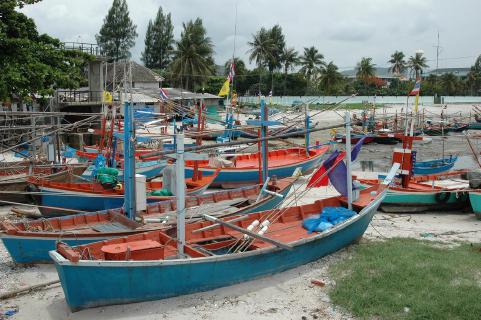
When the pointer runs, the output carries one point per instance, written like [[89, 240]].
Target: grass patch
[[409, 279]]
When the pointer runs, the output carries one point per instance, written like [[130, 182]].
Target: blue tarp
[[330, 216]]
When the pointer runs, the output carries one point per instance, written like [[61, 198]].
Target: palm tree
[[278, 39], [417, 63], [312, 62], [398, 65], [474, 76], [449, 83], [330, 78], [193, 58], [261, 50], [365, 69], [289, 59]]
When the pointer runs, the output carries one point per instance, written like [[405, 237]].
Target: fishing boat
[[244, 169], [149, 169], [217, 253], [14, 182], [29, 242], [355, 137], [475, 200], [54, 197], [434, 166]]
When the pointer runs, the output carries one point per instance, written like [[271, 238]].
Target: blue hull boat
[[31, 242], [106, 277], [245, 171], [434, 166]]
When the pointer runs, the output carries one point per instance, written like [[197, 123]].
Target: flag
[[316, 180], [231, 71], [224, 91], [163, 95], [107, 97], [270, 93], [417, 88], [357, 148]]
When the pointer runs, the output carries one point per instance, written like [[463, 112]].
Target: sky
[[344, 31]]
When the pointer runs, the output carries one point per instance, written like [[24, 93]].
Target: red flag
[[316, 181]]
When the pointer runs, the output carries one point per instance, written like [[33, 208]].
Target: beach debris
[[318, 282], [427, 235], [7, 311]]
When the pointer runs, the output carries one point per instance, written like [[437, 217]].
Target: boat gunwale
[[61, 260]]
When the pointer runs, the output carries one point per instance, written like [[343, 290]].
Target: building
[[459, 72]]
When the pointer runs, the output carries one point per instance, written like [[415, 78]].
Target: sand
[[288, 295]]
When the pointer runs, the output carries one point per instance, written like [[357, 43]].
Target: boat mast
[[347, 119], [129, 154], [180, 193], [308, 127]]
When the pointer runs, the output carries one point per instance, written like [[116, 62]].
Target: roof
[[178, 94], [140, 73], [381, 72], [460, 72]]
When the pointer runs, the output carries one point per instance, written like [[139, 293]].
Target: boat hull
[[133, 281], [475, 200], [406, 201], [434, 166], [229, 178], [149, 169]]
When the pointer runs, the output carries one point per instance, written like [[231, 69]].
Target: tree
[[278, 39], [193, 58], [289, 58], [312, 61], [118, 32], [33, 63], [417, 63], [474, 77], [262, 47], [398, 64], [365, 69], [330, 79], [449, 84], [159, 42]]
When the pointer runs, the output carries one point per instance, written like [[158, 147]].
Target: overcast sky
[[342, 30]]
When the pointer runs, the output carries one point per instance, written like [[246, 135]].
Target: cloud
[[343, 30]]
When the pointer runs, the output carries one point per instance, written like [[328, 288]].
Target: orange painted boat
[[244, 169], [92, 196], [147, 266]]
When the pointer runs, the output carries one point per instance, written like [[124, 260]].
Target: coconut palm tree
[[261, 50], [330, 78], [193, 57], [449, 83], [312, 61], [278, 39], [289, 59], [398, 64], [365, 69], [417, 63], [474, 76]]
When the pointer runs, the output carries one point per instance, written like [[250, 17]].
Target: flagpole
[[348, 160]]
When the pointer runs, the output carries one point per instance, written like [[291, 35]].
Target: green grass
[[409, 279]]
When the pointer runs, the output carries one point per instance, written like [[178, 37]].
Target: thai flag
[[417, 88], [338, 174], [270, 93], [163, 95], [231, 71]]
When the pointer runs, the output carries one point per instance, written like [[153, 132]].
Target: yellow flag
[[107, 97], [224, 91], [416, 103]]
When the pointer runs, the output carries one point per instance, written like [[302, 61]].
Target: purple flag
[[338, 177], [357, 148]]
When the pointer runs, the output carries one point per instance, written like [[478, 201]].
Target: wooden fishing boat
[[13, 186], [355, 137], [475, 200], [147, 267], [149, 169], [385, 138], [92, 196], [422, 196], [434, 166], [29, 242], [244, 169]]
